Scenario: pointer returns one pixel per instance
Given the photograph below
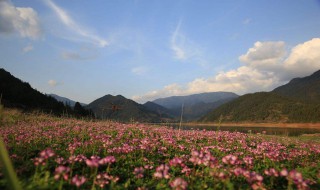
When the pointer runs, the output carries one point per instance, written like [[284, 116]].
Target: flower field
[[57, 153]]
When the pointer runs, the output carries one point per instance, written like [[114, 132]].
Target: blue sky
[[147, 49]]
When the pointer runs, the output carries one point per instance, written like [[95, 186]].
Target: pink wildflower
[[162, 171], [176, 161], [284, 172], [61, 171], [230, 159], [47, 153], [107, 160], [93, 162], [179, 184], [138, 172], [78, 180]]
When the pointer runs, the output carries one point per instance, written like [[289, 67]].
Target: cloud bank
[[22, 20], [264, 66]]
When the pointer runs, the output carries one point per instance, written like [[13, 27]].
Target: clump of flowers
[[162, 171], [43, 157], [179, 184], [78, 180], [138, 172], [103, 179], [62, 172]]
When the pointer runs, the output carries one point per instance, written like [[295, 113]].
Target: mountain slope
[[297, 101], [122, 109], [162, 111], [65, 101], [305, 89], [264, 107], [19, 94]]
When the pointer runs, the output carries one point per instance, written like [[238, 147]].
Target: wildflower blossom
[[78, 180], [138, 172], [162, 171], [61, 172], [179, 184]]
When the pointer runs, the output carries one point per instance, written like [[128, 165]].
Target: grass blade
[[8, 170]]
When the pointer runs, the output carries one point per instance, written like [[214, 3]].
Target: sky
[[149, 49]]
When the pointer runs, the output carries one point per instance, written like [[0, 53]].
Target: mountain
[[162, 111], [190, 100], [305, 89], [293, 102], [196, 105], [65, 101], [18, 94], [122, 109]]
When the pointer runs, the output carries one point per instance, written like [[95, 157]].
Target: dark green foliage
[[265, 107], [19, 94]]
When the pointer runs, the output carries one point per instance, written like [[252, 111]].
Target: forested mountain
[[123, 109], [195, 105], [305, 89], [18, 94], [297, 101], [162, 111]]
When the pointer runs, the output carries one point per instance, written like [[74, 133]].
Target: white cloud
[[75, 27], [139, 70], [52, 83], [303, 59], [177, 41], [23, 20], [184, 49], [27, 49], [266, 66]]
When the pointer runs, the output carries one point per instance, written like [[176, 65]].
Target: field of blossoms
[[55, 153]]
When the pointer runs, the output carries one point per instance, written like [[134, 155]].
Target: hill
[[195, 105], [122, 109], [65, 101], [305, 89], [162, 111], [18, 94], [294, 102]]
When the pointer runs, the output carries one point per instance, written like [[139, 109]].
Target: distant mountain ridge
[[122, 109], [190, 100], [195, 105], [296, 101], [65, 101]]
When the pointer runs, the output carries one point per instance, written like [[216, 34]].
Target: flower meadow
[[75, 154]]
